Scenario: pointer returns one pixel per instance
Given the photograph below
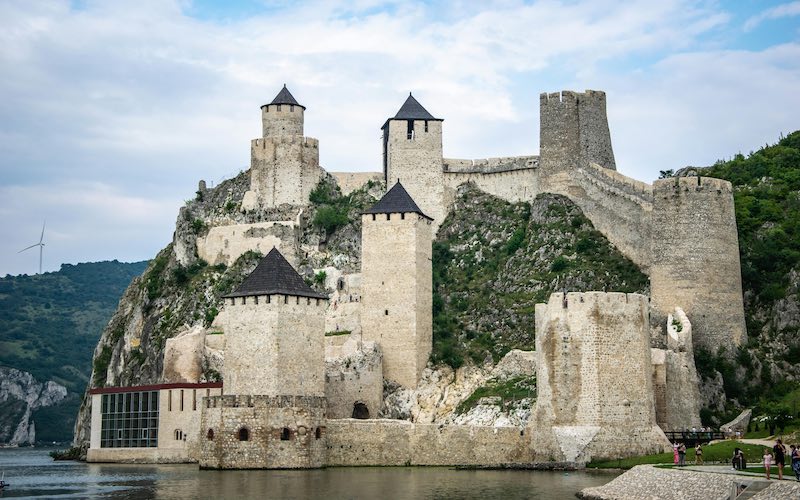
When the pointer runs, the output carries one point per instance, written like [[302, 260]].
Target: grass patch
[[719, 452], [512, 389]]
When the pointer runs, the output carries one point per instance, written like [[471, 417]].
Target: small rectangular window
[[426, 125], [373, 216], [386, 312], [194, 399], [403, 216], [291, 108], [169, 403], [181, 399], [388, 216], [279, 107]]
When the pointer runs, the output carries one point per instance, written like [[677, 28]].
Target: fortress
[[612, 369]]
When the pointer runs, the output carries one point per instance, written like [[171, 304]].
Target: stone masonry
[[595, 394]]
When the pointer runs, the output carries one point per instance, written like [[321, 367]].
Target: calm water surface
[[32, 473]]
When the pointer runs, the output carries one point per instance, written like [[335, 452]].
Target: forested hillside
[[49, 327], [766, 371]]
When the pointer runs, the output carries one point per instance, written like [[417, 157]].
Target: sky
[[112, 111]]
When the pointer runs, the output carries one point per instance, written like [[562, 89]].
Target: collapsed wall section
[[695, 259], [594, 379]]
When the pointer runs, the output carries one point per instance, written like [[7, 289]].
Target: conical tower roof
[[275, 276], [412, 110], [285, 97], [395, 201]]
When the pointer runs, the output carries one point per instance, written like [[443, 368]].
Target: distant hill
[[49, 327]]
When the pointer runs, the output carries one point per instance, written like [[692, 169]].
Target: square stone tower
[[397, 284], [272, 411], [412, 154]]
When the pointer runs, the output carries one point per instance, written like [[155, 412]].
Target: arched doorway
[[360, 410]]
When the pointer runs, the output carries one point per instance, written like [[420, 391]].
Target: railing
[[691, 438]]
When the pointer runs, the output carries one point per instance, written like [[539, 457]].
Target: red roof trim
[[156, 387]]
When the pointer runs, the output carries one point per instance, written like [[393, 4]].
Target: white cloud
[[779, 11], [140, 100]]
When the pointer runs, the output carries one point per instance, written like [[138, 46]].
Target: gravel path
[[649, 482]]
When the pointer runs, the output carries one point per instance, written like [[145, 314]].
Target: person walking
[[675, 453], [795, 457], [780, 457], [698, 454], [767, 460], [682, 454]]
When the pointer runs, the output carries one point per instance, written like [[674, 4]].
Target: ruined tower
[[412, 154], [397, 284], [284, 165], [594, 379], [695, 259], [573, 132], [272, 411]]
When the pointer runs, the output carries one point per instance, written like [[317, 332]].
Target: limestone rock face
[[183, 356], [20, 391]]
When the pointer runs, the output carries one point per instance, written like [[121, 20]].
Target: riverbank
[[648, 481]]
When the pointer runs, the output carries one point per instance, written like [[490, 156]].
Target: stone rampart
[[511, 184], [489, 165], [695, 259], [594, 379], [398, 442], [225, 244], [350, 181], [263, 432]]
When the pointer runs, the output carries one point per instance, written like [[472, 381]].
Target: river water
[[33, 474]]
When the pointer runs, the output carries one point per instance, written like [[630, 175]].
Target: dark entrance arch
[[360, 410]]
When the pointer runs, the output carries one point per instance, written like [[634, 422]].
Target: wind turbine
[[40, 245]]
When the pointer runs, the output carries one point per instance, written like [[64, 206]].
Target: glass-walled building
[[155, 423]]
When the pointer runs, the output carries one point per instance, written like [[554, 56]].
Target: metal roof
[[412, 110], [275, 276], [395, 201], [285, 97]]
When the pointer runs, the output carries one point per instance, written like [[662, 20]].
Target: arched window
[[210, 434], [244, 434], [360, 410], [318, 433], [178, 435], [285, 434]]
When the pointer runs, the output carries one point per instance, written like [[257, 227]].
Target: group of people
[[777, 457], [679, 454]]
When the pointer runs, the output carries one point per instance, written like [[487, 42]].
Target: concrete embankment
[[646, 481]]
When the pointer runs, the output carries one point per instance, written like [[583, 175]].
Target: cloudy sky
[[111, 111]]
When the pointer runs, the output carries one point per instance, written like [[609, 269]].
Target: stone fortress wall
[[594, 379], [684, 238]]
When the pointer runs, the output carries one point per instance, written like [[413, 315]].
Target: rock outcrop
[[21, 394]]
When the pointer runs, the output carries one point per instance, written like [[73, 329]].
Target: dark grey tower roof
[[412, 110], [285, 97], [275, 276], [396, 201]]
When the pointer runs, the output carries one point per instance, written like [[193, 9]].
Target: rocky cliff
[[20, 396], [180, 291]]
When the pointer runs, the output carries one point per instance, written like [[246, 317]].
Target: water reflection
[[33, 474]]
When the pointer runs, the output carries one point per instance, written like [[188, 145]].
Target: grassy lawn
[[719, 452]]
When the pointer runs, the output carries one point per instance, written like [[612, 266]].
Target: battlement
[[306, 142], [619, 184], [571, 97], [276, 300], [588, 299], [677, 185], [490, 165], [260, 401]]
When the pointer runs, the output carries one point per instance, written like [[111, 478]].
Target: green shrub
[[198, 226], [330, 218], [559, 264]]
